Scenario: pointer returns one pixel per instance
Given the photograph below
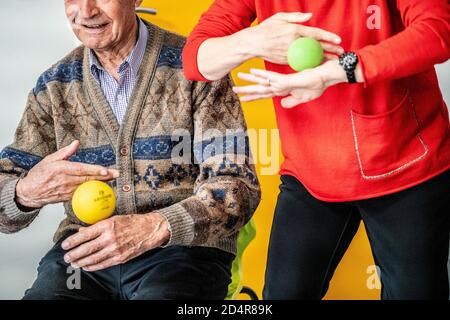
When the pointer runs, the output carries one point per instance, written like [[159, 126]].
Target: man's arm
[[223, 39], [424, 42], [33, 173], [227, 191], [33, 140]]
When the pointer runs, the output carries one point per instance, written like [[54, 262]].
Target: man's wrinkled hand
[[115, 241], [54, 179]]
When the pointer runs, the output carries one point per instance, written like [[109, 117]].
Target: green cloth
[[246, 235]]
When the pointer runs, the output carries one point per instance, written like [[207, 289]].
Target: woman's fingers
[[319, 34], [293, 17], [262, 77], [254, 97], [255, 92], [270, 84], [290, 102], [332, 48], [252, 89], [329, 57], [265, 74], [253, 78]]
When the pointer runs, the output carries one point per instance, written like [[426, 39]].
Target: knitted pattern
[[206, 195]]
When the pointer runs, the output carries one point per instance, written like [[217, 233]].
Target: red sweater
[[365, 140]]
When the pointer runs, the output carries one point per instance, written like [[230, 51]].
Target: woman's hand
[[271, 39], [299, 87]]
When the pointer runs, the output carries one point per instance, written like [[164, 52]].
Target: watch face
[[350, 59]]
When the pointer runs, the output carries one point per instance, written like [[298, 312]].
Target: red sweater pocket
[[389, 142]]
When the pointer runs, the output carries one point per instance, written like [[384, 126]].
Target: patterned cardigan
[[182, 149]]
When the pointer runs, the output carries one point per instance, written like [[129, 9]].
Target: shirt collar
[[133, 60]]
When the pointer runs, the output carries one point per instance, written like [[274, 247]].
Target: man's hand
[[55, 179], [299, 87], [115, 241], [271, 39]]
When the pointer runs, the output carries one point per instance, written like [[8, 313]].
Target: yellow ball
[[93, 201]]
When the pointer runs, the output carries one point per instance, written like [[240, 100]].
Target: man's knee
[[52, 278]]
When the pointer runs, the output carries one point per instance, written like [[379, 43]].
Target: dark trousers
[[408, 233], [170, 273]]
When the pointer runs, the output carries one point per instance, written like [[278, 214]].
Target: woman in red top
[[365, 136]]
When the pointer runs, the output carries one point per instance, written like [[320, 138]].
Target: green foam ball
[[305, 53]]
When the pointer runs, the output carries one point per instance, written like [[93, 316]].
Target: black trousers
[[408, 233], [160, 274]]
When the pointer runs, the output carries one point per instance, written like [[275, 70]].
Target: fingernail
[[67, 259], [64, 245], [341, 51], [74, 265], [104, 172], [116, 174]]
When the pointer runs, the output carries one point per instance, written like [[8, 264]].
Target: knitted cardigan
[[182, 149]]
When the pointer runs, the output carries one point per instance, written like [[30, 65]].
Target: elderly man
[[119, 109]]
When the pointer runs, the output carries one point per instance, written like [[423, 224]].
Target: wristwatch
[[349, 61]]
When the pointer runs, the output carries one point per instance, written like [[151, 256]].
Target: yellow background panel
[[350, 279]]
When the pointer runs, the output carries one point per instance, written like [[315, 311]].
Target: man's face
[[101, 24]]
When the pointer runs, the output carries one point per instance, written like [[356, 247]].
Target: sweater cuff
[[190, 61], [367, 79], [181, 225], [8, 202]]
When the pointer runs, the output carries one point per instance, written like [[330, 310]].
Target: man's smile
[[94, 28]]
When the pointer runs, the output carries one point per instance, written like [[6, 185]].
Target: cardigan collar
[[144, 79], [133, 60]]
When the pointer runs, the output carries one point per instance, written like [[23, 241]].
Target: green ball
[[305, 53]]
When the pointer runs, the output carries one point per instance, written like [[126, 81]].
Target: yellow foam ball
[[93, 201]]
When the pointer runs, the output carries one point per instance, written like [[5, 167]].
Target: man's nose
[[89, 8]]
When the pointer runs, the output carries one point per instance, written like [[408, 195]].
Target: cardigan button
[[126, 188], [124, 151]]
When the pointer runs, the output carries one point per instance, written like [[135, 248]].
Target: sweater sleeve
[[33, 140], [226, 191], [424, 42], [223, 18]]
